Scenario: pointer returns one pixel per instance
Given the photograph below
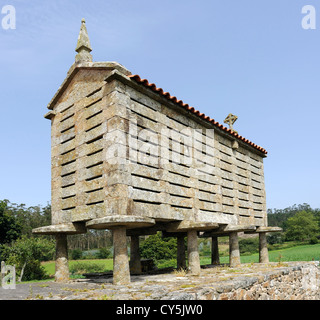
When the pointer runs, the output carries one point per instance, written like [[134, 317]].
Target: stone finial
[[83, 45], [230, 120]]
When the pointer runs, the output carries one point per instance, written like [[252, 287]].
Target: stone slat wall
[[117, 151]]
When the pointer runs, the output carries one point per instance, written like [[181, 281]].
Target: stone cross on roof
[[83, 45], [230, 120]]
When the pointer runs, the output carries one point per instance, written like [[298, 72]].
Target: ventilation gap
[[95, 139], [180, 196], [63, 153], [64, 110], [146, 165], [69, 208], [95, 152], [179, 185], [93, 178], [66, 118], [143, 116], [206, 210], [206, 191], [68, 140], [181, 207], [68, 174], [95, 114], [208, 182], [65, 130], [94, 165], [93, 92], [93, 203], [141, 176], [91, 104], [141, 103], [179, 174], [204, 200], [94, 190], [96, 126], [147, 202], [67, 197], [145, 189], [66, 163], [68, 185]]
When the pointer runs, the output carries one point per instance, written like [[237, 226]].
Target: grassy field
[[106, 264], [298, 253]]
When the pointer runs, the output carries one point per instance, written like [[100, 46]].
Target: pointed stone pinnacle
[[83, 45]]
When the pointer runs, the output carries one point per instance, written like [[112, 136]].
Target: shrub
[[76, 254], [26, 254], [275, 238], [250, 245], [103, 253], [313, 240], [157, 248]]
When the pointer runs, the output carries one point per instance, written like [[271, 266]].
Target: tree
[[302, 226], [10, 229], [279, 217]]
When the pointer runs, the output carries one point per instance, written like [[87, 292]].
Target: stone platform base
[[271, 281]]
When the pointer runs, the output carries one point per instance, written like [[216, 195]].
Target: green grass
[[107, 264], [297, 253]]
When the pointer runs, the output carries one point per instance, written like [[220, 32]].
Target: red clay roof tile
[[167, 95]]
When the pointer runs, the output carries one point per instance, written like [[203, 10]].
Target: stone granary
[[131, 158]]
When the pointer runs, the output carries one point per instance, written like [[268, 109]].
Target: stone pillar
[[193, 253], [121, 272], [135, 260], [215, 259], [263, 248], [62, 265], [181, 252], [234, 252]]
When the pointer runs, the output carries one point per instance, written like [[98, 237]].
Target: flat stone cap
[[66, 228], [130, 222], [227, 229], [269, 229], [186, 225]]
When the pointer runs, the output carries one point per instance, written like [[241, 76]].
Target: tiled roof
[[167, 95]]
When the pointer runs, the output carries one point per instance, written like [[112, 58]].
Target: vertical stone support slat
[[121, 272], [234, 252], [135, 260], [62, 265], [215, 259], [263, 248], [193, 253], [181, 252]]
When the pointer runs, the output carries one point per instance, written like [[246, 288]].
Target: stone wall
[[299, 282]]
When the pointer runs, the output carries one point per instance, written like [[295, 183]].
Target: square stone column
[[215, 259], [181, 252], [263, 248], [62, 265], [135, 259], [193, 253], [121, 272], [234, 252]]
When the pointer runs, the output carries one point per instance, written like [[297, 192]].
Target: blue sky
[[250, 58]]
